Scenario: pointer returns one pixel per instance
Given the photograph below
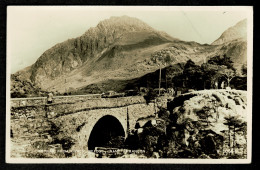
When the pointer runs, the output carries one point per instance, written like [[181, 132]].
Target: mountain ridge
[[117, 48], [237, 31]]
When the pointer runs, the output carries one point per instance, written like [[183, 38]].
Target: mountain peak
[[120, 48], [117, 27], [125, 23], [236, 32], [123, 17]]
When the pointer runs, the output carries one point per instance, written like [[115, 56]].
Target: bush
[[17, 95], [150, 96]]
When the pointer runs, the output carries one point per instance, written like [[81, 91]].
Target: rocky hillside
[[233, 43], [100, 48], [119, 49], [238, 31], [24, 88]]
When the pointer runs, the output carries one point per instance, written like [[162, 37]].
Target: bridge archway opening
[[107, 132]]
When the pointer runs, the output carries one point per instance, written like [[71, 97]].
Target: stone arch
[[91, 119], [105, 128]]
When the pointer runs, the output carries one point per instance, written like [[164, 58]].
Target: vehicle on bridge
[[132, 92], [112, 94]]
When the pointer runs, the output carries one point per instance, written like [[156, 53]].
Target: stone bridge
[[84, 120]]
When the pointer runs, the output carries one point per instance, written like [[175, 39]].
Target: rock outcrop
[[201, 124]]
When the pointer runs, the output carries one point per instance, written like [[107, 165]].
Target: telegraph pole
[[65, 86], [165, 75], [165, 79], [160, 80], [206, 64], [127, 122]]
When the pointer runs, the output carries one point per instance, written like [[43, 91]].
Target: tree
[[222, 60], [228, 74], [212, 73], [189, 64], [235, 124], [244, 69], [242, 127], [172, 72], [192, 74], [227, 122]]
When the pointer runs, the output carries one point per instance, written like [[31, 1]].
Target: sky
[[31, 30]]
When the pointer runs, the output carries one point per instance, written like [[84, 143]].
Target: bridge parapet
[[55, 110], [23, 102], [71, 105]]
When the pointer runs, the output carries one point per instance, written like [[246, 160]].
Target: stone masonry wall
[[30, 129], [78, 126], [30, 115], [20, 102], [56, 110], [34, 123]]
